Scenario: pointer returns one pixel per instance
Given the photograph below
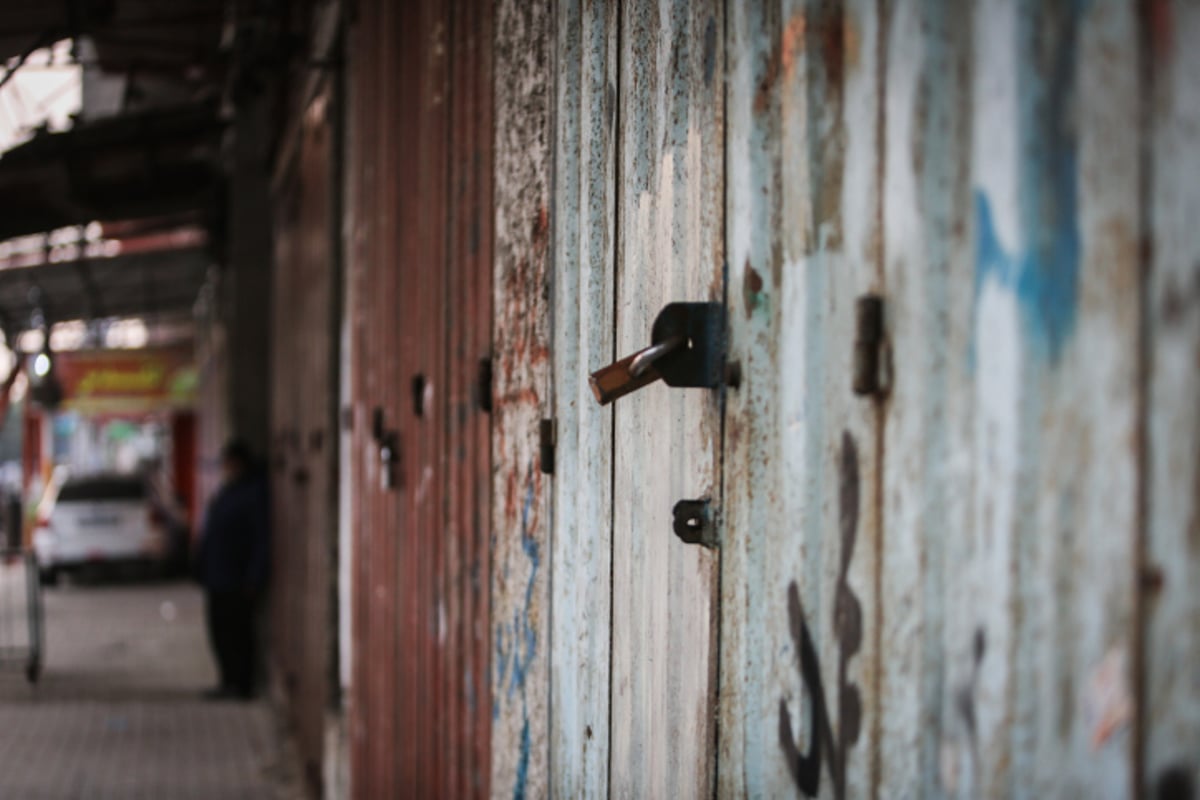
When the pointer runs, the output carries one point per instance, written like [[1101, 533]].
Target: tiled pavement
[[117, 712]]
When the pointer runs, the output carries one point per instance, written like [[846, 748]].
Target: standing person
[[232, 564]]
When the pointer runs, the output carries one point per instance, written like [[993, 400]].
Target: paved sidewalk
[[117, 712]]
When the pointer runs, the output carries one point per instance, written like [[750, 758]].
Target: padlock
[[687, 350], [632, 372]]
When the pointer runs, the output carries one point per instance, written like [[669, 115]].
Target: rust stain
[[831, 38], [752, 284], [791, 42], [782, 60], [851, 43], [510, 494], [541, 226], [1160, 23], [523, 396]]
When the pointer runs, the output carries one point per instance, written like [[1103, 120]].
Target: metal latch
[[388, 442], [687, 350], [389, 460], [870, 365]]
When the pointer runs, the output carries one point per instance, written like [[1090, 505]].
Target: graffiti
[[1041, 264], [823, 744]]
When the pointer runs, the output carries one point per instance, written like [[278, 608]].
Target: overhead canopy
[[142, 284], [160, 35], [159, 159], [124, 167]]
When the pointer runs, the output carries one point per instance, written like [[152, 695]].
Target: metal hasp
[[868, 378], [693, 522], [546, 442], [388, 442], [389, 461], [687, 350]]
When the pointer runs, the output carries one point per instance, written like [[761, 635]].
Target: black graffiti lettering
[[805, 767]]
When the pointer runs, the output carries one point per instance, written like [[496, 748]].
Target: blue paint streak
[[524, 643], [1044, 275], [522, 764], [516, 641]]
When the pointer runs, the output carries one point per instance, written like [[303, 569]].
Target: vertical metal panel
[[584, 282], [303, 367], [1052, 368], [519, 578], [374, 694], [418, 305], [670, 248], [1000, 664], [464, 625], [1171, 692], [421, 267], [1078, 678], [800, 555], [929, 657], [389, 141]]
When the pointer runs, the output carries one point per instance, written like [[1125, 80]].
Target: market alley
[[117, 712]]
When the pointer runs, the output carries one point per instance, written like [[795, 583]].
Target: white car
[[99, 519]]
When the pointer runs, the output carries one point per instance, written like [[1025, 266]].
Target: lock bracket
[[700, 361], [693, 522]]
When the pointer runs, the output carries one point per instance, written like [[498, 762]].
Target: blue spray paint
[[1044, 273], [524, 643], [522, 764], [516, 640]]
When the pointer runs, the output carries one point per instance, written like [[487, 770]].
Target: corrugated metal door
[[957, 538], [420, 261], [931, 591], [800, 548]]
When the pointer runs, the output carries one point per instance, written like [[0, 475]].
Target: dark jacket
[[235, 545]]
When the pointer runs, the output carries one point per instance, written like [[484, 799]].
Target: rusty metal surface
[[302, 464], [520, 518], [372, 721], [467, 450], [420, 268], [928, 587]]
